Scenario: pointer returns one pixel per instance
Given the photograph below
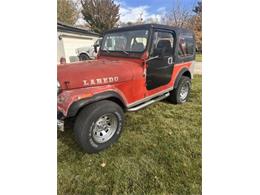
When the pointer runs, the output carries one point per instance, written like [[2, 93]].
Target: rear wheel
[[84, 57], [181, 93], [99, 125]]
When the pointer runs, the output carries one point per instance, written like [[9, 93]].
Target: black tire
[[175, 95], [86, 123], [84, 57]]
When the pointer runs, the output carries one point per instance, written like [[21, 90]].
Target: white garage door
[[71, 44]]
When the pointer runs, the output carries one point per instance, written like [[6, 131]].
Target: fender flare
[[182, 72], [76, 106]]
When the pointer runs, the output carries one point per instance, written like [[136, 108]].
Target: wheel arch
[[83, 53], [80, 104], [184, 72]]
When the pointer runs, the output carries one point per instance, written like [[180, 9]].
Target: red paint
[[128, 79]]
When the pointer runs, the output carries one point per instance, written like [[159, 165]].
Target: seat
[[138, 47], [164, 44]]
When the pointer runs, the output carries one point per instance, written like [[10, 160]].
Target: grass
[[198, 58], [159, 152]]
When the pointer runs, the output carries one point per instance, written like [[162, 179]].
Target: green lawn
[[159, 152], [198, 57]]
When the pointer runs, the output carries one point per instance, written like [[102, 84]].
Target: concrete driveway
[[198, 68]]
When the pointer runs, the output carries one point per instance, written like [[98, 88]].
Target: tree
[[198, 8], [184, 18], [178, 16], [101, 15], [67, 11], [197, 25]]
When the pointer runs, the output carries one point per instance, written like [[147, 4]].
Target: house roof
[[62, 27]]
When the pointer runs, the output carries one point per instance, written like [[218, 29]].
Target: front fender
[[76, 106], [70, 102]]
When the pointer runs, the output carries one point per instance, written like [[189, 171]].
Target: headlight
[[58, 87]]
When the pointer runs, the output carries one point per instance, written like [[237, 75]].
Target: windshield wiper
[[125, 52]]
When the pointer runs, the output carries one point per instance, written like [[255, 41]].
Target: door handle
[[170, 60]]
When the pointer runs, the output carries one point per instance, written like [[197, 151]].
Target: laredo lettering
[[99, 81], [85, 83], [92, 82], [111, 79], [105, 80], [115, 79]]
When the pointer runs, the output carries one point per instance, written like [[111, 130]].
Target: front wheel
[[181, 93], [99, 125]]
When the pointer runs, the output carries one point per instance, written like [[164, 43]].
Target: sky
[[130, 10]]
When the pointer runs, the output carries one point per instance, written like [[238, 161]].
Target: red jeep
[[135, 67]]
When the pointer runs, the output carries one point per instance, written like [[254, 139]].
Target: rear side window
[[186, 46]]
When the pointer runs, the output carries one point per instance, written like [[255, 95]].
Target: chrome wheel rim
[[105, 127], [184, 91]]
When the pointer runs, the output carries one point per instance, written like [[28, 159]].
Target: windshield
[[126, 41]]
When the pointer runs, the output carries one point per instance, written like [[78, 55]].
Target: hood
[[94, 73]]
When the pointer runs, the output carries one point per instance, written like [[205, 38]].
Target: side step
[[140, 106]]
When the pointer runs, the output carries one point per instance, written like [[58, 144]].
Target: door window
[[162, 41]]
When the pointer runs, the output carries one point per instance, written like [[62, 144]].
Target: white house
[[70, 39]]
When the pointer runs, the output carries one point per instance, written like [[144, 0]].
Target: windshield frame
[[109, 52]]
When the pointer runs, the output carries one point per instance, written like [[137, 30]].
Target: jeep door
[[160, 65]]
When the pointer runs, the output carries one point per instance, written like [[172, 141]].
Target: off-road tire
[[175, 94], [85, 125]]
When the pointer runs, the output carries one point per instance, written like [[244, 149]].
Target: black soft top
[[149, 26]]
